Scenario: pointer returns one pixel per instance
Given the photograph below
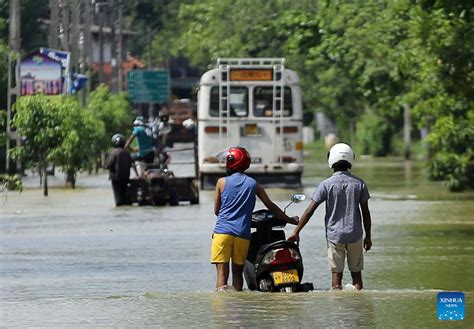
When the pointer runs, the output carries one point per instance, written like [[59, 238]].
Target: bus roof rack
[[251, 61]]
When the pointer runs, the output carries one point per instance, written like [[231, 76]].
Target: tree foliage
[[153, 19], [224, 28], [56, 132], [113, 110], [81, 141], [360, 62], [38, 121]]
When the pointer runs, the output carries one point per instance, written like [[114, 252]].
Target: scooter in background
[[273, 263]]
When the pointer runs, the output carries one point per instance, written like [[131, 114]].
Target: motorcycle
[[273, 263]]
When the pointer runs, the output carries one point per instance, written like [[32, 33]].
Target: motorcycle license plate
[[284, 277]]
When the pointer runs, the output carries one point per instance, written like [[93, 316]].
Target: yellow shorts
[[226, 247]]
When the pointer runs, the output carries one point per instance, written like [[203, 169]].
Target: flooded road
[[74, 260]]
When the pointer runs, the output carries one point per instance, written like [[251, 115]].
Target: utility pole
[[99, 13], [75, 33], [86, 47], [112, 22], [149, 39], [120, 44], [65, 21], [150, 66], [14, 45], [53, 32], [65, 30]]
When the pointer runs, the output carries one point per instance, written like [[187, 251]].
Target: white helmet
[[338, 152], [138, 121]]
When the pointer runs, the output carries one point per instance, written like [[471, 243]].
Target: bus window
[[238, 99], [263, 101]]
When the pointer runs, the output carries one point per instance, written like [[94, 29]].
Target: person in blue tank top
[[234, 200]]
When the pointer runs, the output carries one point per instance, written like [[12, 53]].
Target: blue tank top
[[237, 203]]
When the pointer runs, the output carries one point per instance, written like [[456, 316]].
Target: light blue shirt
[[343, 193], [145, 142]]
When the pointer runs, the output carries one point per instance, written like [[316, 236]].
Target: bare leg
[[357, 280], [222, 274], [134, 167], [336, 280], [237, 278]]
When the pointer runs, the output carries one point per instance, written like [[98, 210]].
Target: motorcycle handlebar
[[265, 217]]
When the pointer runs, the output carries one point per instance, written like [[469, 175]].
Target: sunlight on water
[[74, 260]]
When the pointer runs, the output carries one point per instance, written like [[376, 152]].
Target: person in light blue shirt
[[146, 145], [346, 196], [234, 200]]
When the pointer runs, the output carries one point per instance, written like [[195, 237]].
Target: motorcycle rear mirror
[[298, 197]]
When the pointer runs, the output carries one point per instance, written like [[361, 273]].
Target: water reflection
[[408, 172], [74, 260]]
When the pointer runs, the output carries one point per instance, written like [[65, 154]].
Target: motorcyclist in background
[[145, 154], [118, 163]]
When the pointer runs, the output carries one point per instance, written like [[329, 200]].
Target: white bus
[[241, 103]]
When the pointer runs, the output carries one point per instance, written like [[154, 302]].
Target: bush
[[11, 183], [374, 135], [452, 159], [456, 170]]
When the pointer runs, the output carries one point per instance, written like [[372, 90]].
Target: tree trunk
[[71, 180], [407, 131], [45, 179], [40, 173]]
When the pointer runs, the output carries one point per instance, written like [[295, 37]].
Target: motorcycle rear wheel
[[288, 289], [265, 285]]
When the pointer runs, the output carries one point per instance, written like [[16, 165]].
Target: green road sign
[[148, 86]]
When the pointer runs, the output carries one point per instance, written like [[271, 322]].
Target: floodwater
[[73, 260]]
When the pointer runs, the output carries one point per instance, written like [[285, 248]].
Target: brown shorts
[[337, 253]]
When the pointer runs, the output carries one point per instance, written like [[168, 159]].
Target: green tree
[[243, 28], [379, 56], [114, 110], [154, 19], [343, 51], [373, 135], [81, 142], [442, 93], [33, 31], [56, 131], [38, 121]]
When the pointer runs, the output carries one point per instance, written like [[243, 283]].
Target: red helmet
[[238, 159]]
